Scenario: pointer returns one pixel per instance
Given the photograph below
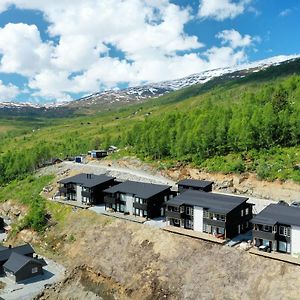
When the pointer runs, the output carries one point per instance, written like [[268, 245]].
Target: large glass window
[[189, 211], [285, 231]]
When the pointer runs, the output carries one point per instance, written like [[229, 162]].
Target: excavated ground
[[115, 259]]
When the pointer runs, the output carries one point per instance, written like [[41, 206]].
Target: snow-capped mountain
[[154, 90], [141, 93]]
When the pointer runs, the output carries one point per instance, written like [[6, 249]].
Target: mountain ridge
[[142, 93]]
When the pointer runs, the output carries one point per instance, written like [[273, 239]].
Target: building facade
[[85, 188], [138, 198], [220, 215], [277, 228]]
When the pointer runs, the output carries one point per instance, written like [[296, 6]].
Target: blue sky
[[62, 50]]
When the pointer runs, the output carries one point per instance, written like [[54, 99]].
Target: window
[[189, 211], [188, 224], [34, 270], [242, 213], [246, 211], [176, 221], [206, 214], [274, 229], [285, 231], [181, 209]]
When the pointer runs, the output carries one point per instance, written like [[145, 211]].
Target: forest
[[238, 127], [263, 119]]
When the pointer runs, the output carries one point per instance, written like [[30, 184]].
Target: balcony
[[266, 235], [143, 206], [66, 190], [110, 200], [174, 214], [214, 222], [86, 194]]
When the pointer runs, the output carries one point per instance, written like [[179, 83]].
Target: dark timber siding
[[234, 219], [26, 272]]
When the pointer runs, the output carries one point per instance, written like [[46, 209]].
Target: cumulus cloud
[[101, 43], [8, 92], [235, 39], [221, 9], [22, 49]]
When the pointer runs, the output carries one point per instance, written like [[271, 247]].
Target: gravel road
[[124, 173]]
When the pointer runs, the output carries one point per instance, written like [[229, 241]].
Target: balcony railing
[[143, 206], [86, 194], [65, 190], [110, 200], [259, 234], [174, 214]]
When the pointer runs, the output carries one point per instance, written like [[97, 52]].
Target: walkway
[[287, 258], [100, 209], [194, 234]]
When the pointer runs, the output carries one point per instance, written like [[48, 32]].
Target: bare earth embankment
[[114, 259], [133, 261]]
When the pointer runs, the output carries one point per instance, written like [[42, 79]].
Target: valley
[[202, 132]]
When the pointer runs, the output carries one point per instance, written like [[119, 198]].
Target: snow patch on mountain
[[154, 90]]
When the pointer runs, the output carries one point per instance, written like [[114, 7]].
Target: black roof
[[23, 250], [218, 203], [87, 180], [139, 189], [276, 213], [17, 261], [195, 183]]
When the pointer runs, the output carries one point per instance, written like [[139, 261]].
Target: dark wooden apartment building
[[221, 215], [194, 184], [277, 227], [138, 198], [85, 188]]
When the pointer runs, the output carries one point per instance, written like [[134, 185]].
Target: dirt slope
[[139, 262]]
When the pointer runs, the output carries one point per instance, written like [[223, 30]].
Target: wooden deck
[[194, 234], [287, 258]]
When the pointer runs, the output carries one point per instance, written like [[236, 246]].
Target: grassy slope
[[76, 135]]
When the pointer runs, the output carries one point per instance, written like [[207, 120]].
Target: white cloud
[[221, 9], [225, 56], [150, 34], [22, 50], [285, 12], [8, 92], [234, 38]]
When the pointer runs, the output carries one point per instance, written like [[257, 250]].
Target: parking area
[[156, 222], [29, 288]]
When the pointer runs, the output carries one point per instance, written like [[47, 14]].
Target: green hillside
[[226, 125]]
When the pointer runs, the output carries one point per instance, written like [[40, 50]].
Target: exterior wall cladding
[[26, 272], [93, 195], [150, 208], [231, 224], [273, 237]]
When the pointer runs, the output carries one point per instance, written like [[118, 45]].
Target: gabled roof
[[87, 180], [139, 189], [17, 261], [213, 202], [195, 183], [23, 250], [276, 213]]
